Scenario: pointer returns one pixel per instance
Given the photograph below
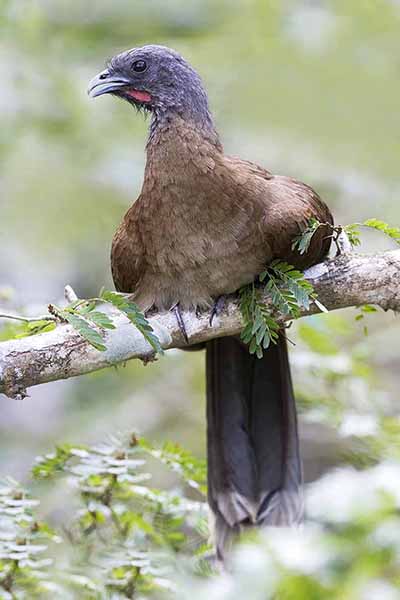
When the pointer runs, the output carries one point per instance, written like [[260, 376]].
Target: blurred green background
[[306, 88]]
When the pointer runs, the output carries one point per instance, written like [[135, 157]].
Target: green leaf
[[100, 319], [84, 329], [261, 328], [364, 310], [83, 306], [302, 242], [35, 327], [285, 276], [353, 233], [48, 465], [368, 308], [192, 469], [253, 346], [392, 232], [132, 311], [289, 292]]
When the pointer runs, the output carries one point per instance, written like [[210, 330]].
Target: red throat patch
[[138, 95]]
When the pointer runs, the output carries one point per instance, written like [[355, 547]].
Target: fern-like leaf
[[132, 311], [294, 281], [100, 319], [289, 292], [260, 329], [84, 329], [353, 233], [302, 242], [392, 232], [191, 469]]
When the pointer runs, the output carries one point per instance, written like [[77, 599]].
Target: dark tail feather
[[254, 468]]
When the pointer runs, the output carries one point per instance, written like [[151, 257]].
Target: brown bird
[[204, 225]]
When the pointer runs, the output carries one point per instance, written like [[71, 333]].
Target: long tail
[[254, 467]]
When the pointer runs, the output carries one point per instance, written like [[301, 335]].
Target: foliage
[[302, 242], [352, 233], [82, 325], [87, 320], [260, 328], [91, 323], [127, 539], [193, 471], [61, 214], [20, 329], [345, 550], [364, 310], [353, 230], [124, 536], [289, 292], [136, 317], [24, 560], [392, 232], [287, 287]]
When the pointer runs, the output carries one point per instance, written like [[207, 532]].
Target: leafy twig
[[289, 292], [392, 232], [87, 321], [28, 319], [131, 310], [302, 242]]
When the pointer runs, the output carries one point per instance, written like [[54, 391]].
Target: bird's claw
[[217, 309], [181, 324]]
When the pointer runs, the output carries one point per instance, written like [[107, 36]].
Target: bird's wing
[[290, 206], [127, 257], [287, 205]]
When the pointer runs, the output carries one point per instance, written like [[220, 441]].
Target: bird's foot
[[181, 324], [217, 309]]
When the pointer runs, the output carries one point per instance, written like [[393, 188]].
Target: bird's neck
[[164, 121], [177, 147]]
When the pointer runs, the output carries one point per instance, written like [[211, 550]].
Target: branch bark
[[348, 280]]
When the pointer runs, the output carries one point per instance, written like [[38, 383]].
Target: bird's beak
[[105, 83]]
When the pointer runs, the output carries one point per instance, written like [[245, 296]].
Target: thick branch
[[348, 280]]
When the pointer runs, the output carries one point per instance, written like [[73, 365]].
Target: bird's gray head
[[157, 79]]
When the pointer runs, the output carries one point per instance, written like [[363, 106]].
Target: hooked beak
[[105, 83]]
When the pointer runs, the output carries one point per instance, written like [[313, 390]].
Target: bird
[[204, 225]]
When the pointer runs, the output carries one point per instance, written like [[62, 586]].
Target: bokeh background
[[306, 88]]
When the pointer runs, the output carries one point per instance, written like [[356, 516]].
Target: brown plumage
[[204, 225]]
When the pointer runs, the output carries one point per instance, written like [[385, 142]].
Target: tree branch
[[348, 280]]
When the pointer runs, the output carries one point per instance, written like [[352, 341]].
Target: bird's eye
[[104, 75], [139, 66]]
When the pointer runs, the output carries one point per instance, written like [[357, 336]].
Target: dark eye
[[139, 66]]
